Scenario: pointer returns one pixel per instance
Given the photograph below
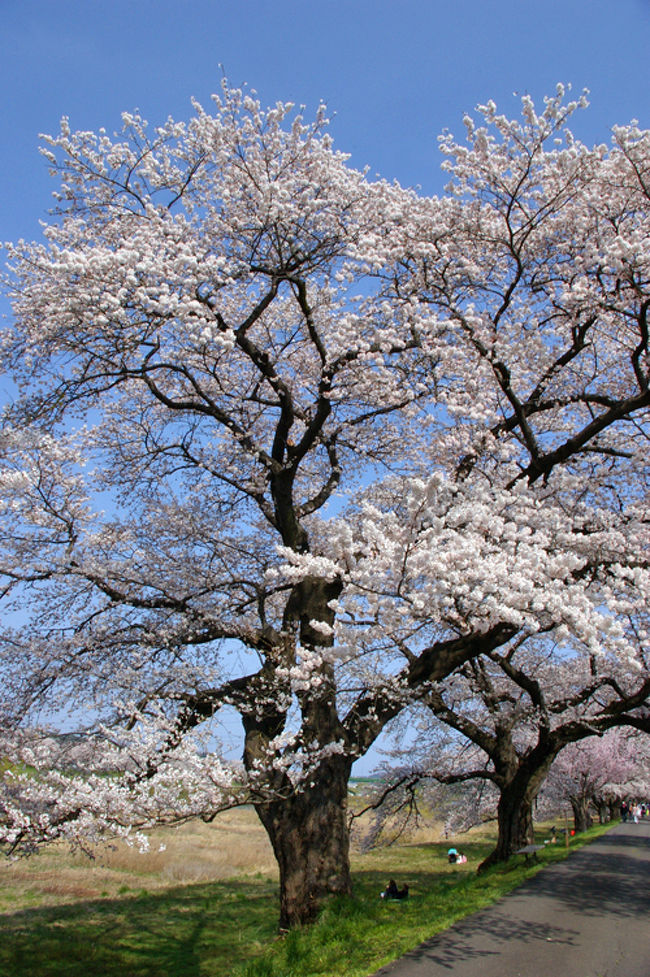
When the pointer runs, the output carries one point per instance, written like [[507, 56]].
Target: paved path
[[588, 916]]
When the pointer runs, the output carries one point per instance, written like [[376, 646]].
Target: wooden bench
[[530, 852]]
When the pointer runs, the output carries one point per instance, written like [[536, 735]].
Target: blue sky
[[394, 73]]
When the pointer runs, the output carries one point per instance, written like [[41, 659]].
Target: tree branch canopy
[[303, 444]]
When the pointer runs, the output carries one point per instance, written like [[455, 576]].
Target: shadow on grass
[[190, 931], [606, 880], [221, 928], [212, 930]]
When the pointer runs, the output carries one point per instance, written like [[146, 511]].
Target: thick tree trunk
[[515, 825], [604, 811], [307, 824], [581, 815], [310, 838], [515, 810]]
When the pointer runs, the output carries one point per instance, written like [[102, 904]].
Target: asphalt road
[[588, 916]]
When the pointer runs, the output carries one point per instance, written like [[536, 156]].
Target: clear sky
[[394, 73]]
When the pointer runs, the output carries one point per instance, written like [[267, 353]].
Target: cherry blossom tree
[[300, 443], [506, 719], [599, 772]]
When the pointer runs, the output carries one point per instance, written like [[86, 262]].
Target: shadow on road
[[610, 875], [602, 883], [466, 945]]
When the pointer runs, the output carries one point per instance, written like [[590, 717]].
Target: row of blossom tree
[[513, 737], [308, 445], [597, 776]]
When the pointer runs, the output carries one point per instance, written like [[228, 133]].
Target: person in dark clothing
[[392, 892]]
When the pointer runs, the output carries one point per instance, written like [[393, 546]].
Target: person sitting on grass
[[392, 892]]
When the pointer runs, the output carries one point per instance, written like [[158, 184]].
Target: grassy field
[[204, 903]]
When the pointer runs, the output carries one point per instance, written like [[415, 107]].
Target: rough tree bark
[[310, 838], [515, 811], [515, 827], [304, 815], [582, 818], [604, 808]]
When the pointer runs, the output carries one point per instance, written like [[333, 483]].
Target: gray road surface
[[586, 917]]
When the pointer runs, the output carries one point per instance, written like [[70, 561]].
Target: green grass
[[229, 929], [183, 932]]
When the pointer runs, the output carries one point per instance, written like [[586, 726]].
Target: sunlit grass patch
[[137, 924]]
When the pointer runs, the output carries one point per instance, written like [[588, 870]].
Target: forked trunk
[[310, 838], [307, 824], [604, 811], [515, 809], [515, 827], [581, 815]]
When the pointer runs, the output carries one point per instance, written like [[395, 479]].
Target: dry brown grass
[[234, 844]]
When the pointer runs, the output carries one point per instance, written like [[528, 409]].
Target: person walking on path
[[588, 916]]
